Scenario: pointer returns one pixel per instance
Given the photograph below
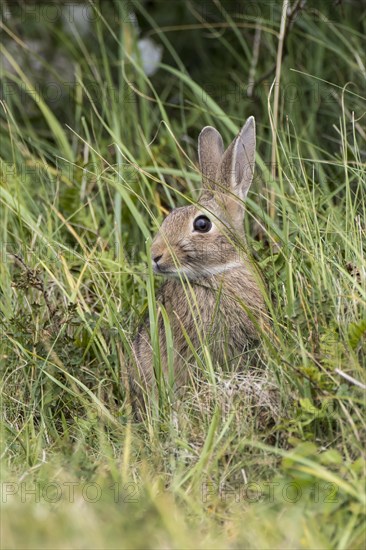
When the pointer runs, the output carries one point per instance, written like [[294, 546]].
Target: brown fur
[[213, 298]]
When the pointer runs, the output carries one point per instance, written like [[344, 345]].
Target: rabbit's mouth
[[169, 271], [159, 269], [166, 268], [194, 273]]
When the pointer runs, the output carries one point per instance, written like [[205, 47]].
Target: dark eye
[[202, 224]]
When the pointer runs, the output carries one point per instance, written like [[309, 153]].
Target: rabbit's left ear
[[237, 167], [210, 151]]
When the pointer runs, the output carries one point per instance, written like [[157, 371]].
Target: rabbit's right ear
[[237, 165], [210, 151]]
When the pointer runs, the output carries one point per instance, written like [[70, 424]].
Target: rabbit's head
[[199, 240]]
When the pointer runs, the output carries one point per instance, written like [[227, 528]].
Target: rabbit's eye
[[202, 224]]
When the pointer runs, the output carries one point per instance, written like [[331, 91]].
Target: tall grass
[[275, 460]]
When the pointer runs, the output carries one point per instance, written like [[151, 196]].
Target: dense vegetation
[[97, 145]]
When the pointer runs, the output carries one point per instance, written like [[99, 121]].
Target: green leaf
[[332, 456], [355, 332]]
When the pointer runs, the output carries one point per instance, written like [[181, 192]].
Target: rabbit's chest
[[206, 315]]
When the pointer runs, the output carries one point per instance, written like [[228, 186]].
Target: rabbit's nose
[[157, 258]]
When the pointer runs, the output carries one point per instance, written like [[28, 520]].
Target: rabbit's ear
[[210, 151], [237, 166]]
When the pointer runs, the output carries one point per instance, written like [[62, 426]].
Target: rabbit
[[212, 294]]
